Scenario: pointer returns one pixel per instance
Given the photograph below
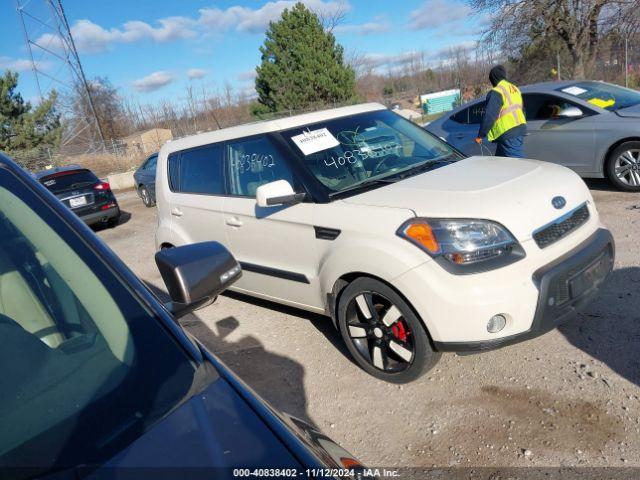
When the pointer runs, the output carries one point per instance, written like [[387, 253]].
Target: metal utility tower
[[55, 64]]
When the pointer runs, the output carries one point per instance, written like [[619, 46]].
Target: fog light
[[496, 323]]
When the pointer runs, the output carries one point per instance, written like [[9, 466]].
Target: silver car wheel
[[627, 167]]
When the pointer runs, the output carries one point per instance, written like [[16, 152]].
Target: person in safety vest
[[503, 122]]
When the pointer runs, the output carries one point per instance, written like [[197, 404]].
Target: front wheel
[[623, 166], [146, 197], [382, 332]]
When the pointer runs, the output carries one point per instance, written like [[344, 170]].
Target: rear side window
[[254, 162], [67, 180], [461, 117], [471, 115], [476, 112], [197, 171]]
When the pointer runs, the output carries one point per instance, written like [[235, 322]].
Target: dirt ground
[[568, 398]]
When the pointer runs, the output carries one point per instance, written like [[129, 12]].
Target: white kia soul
[[410, 248]]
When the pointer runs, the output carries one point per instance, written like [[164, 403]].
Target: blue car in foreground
[[99, 380]]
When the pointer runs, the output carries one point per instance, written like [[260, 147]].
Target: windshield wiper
[[366, 184]]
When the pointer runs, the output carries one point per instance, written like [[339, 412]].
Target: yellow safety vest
[[511, 114]]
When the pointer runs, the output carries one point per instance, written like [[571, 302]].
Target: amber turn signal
[[422, 234]]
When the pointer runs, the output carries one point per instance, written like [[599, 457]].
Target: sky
[[152, 50]]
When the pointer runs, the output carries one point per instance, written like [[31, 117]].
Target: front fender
[[369, 257]]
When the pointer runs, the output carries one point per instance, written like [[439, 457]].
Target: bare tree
[[330, 19], [578, 24]]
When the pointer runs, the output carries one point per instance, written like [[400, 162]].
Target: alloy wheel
[[380, 333], [627, 167]]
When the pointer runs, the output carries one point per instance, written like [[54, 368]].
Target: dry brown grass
[[104, 164]]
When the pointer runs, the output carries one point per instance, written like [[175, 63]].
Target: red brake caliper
[[399, 331]]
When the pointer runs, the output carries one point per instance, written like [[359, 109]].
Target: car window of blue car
[[86, 368], [470, 115], [151, 164]]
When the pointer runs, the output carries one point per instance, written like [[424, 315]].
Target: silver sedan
[[591, 127]]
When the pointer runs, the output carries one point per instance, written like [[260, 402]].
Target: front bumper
[[564, 286]]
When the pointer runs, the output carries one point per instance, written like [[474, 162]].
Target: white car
[[411, 253]]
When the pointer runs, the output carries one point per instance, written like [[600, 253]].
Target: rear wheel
[[382, 333], [623, 166], [146, 197]]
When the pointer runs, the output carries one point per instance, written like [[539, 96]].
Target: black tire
[[363, 336], [623, 166], [146, 197]]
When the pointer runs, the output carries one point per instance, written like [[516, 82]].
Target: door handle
[[176, 212], [234, 222], [459, 136]]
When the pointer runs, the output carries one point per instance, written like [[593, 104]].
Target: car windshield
[[361, 149], [86, 367], [603, 95], [59, 181]]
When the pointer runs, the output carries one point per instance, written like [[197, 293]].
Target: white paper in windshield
[[574, 90], [315, 141]]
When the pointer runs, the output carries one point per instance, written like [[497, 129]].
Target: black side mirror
[[195, 274]]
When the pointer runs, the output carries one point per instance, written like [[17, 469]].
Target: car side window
[[544, 107], [461, 117], [254, 162], [197, 171], [77, 346], [151, 164], [476, 112], [471, 115]]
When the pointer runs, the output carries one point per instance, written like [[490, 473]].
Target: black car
[[98, 378], [83, 192], [145, 180]]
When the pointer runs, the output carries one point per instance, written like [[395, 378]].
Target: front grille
[[561, 227]]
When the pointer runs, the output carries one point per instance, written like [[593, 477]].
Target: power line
[[47, 31]]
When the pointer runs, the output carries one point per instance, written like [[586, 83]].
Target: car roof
[[51, 171], [267, 126]]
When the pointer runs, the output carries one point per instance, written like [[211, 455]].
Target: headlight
[[463, 242]]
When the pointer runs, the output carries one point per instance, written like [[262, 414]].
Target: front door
[[195, 179], [565, 141], [276, 246]]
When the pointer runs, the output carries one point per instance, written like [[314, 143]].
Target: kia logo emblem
[[558, 202]]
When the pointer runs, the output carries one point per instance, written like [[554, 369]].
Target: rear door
[[195, 178], [565, 141], [276, 246]]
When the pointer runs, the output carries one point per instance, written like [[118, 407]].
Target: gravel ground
[[568, 398]]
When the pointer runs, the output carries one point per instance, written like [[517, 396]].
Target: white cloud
[[90, 37], [196, 73], [153, 82], [93, 38], [437, 13], [247, 76], [379, 60], [246, 19], [364, 28], [21, 64]]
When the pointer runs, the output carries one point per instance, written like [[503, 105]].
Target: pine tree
[[21, 125], [302, 64]]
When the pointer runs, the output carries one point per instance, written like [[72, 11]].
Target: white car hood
[[514, 192]]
